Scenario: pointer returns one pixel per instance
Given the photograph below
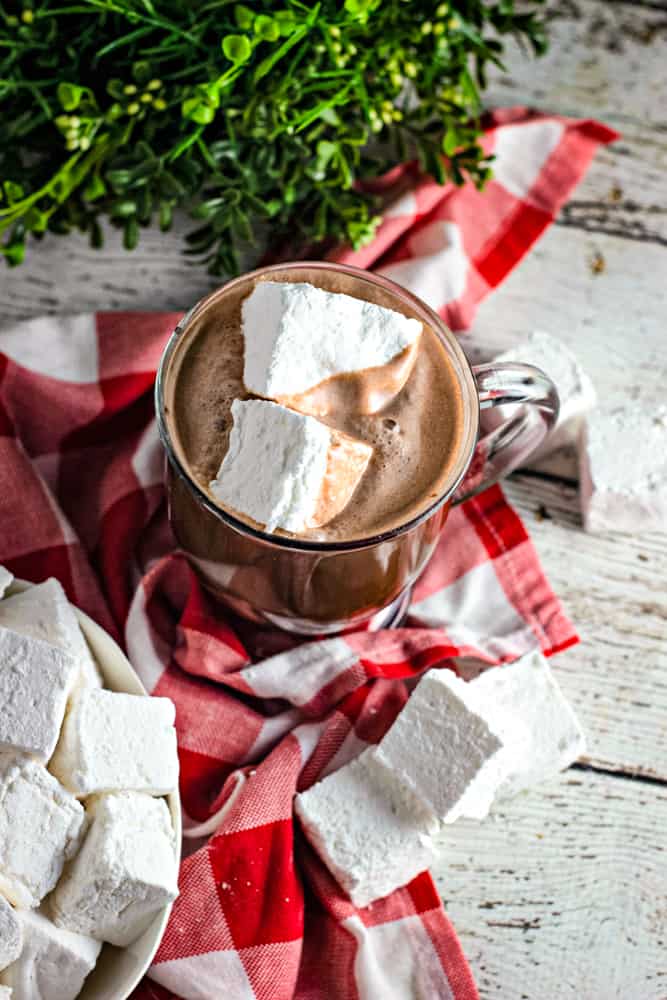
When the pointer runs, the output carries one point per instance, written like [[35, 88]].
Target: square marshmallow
[[11, 934], [369, 831], [43, 612], [40, 828], [575, 389], [287, 470], [6, 992], [520, 703], [117, 742], [623, 470], [440, 743], [125, 871], [35, 681], [297, 336], [54, 962]]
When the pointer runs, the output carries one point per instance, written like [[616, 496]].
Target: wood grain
[[563, 895], [613, 589]]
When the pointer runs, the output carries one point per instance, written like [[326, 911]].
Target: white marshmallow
[[298, 336], [5, 580], [287, 470], [539, 730], [40, 828], [623, 470], [35, 681], [575, 390], [460, 745], [369, 831], [6, 992], [54, 962], [440, 744], [11, 934], [43, 612], [125, 871], [112, 742]]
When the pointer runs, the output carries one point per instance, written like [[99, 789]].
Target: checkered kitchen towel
[[259, 716]]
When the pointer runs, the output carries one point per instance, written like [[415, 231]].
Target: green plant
[[128, 109]]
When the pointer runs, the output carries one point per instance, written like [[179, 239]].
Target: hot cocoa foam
[[415, 438]]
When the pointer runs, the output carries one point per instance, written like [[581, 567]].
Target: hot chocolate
[[358, 566], [415, 437]]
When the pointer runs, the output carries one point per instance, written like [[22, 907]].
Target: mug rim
[[423, 311]]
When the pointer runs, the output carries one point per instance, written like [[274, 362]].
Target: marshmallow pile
[[455, 749], [88, 852], [622, 448], [308, 353]]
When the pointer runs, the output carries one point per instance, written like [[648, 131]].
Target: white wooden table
[[564, 894]]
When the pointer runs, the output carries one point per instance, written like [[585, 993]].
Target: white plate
[[119, 970]]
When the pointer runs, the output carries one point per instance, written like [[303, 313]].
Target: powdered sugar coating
[[40, 828], [112, 741], [623, 469]]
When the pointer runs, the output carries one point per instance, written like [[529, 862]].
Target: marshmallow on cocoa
[[287, 470], [320, 352]]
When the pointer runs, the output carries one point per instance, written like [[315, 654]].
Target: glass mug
[[322, 588]]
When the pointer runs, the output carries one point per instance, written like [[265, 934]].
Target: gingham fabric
[[258, 715]]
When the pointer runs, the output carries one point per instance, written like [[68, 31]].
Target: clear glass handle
[[508, 437]]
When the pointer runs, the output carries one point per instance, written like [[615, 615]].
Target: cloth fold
[[260, 715]]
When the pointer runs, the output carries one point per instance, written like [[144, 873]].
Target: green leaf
[[130, 234], [14, 253], [236, 48], [196, 111], [243, 17], [141, 71], [70, 95], [124, 209], [13, 191], [266, 28], [95, 188], [119, 179], [450, 142], [166, 216]]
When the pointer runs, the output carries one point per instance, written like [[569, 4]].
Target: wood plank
[[604, 59], [563, 894], [613, 588], [613, 319]]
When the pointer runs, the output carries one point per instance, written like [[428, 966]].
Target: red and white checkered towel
[[259, 716]]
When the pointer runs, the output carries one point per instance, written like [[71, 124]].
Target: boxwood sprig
[[256, 116]]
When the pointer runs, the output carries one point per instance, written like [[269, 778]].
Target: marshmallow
[[43, 612], [299, 339], [369, 830], [439, 744], [35, 681], [5, 580], [623, 470], [460, 745], [287, 470], [125, 871], [40, 828], [54, 962], [11, 934], [539, 731], [112, 741], [575, 389], [6, 992]]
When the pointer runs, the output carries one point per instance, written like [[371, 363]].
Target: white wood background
[[564, 894]]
